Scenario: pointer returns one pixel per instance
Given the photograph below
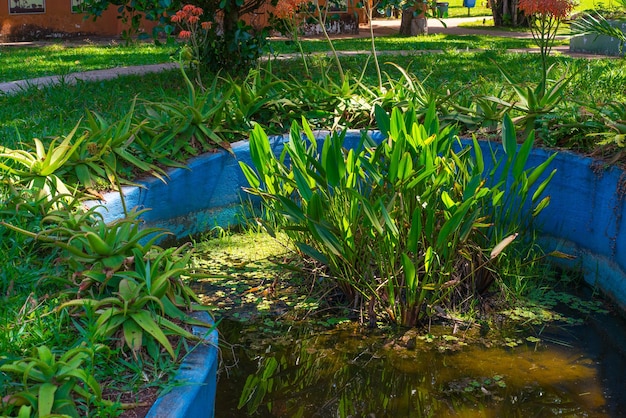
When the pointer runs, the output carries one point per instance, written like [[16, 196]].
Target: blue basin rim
[[194, 395], [584, 217]]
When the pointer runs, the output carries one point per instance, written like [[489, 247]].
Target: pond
[[562, 354]]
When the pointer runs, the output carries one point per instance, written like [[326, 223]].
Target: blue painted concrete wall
[[194, 395], [584, 219]]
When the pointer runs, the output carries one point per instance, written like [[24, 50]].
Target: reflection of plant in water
[[290, 384]]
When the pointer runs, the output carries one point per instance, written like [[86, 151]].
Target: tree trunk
[[414, 21], [506, 13]]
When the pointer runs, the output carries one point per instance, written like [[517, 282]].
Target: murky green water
[[274, 366], [350, 372]]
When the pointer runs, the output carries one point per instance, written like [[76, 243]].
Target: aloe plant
[[108, 156], [533, 101], [97, 242], [39, 169], [51, 384], [175, 129]]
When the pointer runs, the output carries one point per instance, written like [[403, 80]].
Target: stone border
[[197, 376], [598, 44]]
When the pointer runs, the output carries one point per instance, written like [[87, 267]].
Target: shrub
[[406, 226]]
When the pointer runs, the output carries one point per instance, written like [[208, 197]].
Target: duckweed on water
[[534, 358]]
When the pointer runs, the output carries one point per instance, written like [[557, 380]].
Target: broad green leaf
[[451, 225], [509, 139], [409, 273], [45, 400], [543, 186], [327, 238], [312, 252], [447, 200], [397, 124], [538, 171], [428, 259], [522, 155], [133, 336], [405, 169], [541, 205], [259, 148], [478, 153], [250, 175], [147, 323], [415, 232], [303, 185], [382, 120]]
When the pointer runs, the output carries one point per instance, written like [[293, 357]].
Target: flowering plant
[[287, 20], [545, 16], [194, 31]]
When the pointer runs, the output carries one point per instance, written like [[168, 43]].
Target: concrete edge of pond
[[584, 218], [195, 382], [598, 44]]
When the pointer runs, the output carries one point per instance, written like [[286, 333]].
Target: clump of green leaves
[[51, 384], [404, 225]]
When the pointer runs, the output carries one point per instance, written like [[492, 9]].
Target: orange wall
[[59, 18]]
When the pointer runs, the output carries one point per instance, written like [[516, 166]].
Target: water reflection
[[344, 373]]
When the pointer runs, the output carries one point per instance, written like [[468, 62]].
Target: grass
[[564, 28], [596, 4], [60, 59], [19, 63], [55, 110], [414, 43], [456, 9]]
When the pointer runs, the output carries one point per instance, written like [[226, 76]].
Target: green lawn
[[60, 58]]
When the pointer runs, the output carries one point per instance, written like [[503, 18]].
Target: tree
[[414, 21], [414, 13], [506, 13], [133, 11]]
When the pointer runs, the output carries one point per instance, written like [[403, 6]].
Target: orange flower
[[184, 34], [288, 8], [554, 8]]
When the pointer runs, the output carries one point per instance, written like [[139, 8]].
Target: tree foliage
[[232, 44]]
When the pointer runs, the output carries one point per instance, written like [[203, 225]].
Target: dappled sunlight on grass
[[20, 63], [398, 43]]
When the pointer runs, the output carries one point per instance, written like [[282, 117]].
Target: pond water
[[277, 365]]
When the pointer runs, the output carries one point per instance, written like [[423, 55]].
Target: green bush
[[406, 226]]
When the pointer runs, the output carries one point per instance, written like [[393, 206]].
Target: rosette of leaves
[[176, 129], [52, 384], [109, 157], [143, 303], [41, 168], [88, 243]]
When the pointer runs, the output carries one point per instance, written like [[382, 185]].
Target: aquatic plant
[[406, 226]]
